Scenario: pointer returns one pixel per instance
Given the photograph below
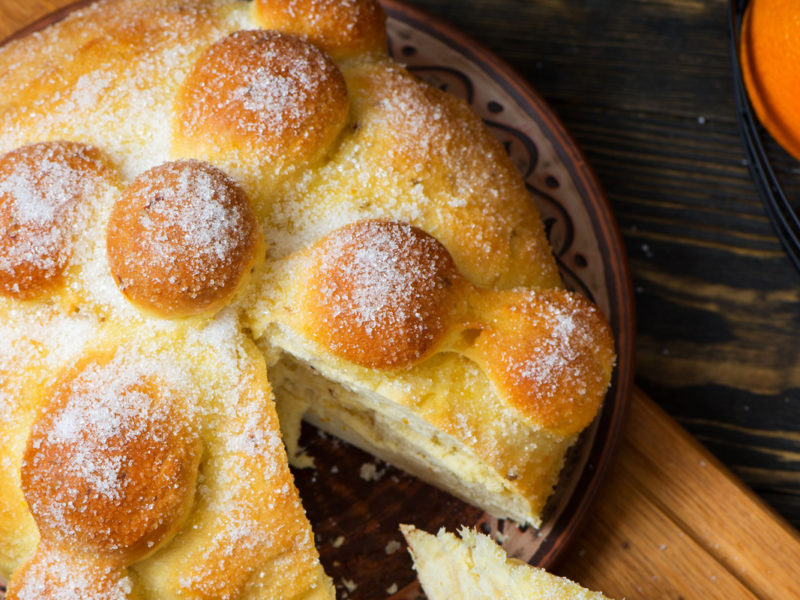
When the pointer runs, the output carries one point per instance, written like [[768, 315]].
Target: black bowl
[[775, 172]]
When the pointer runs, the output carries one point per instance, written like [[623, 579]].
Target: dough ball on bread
[[342, 28], [45, 192], [180, 239], [53, 574], [111, 462], [266, 99], [380, 293], [550, 352]]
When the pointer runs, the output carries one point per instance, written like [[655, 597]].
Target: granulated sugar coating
[[261, 94], [384, 294], [109, 461], [198, 197], [551, 353], [64, 577], [45, 193], [181, 237], [380, 293], [342, 28]]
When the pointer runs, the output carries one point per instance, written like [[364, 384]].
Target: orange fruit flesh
[[770, 58]]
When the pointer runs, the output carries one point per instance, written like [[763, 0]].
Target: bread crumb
[[392, 547], [349, 585], [337, 543], [392, 589], [370, 472]]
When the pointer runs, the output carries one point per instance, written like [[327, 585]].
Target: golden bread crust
[[103, 414], [261, 94], [385, 295], [526, 369], [124, 517], [247, 535], [342, 29], [181, 238], [45, 190], [550, 352], [307, 150], [474, 201], [103, 73], [380, 293], [52, 574]]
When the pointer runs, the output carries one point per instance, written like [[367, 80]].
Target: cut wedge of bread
[[474, 567]]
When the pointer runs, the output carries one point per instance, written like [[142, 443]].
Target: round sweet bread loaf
[[353, 248]]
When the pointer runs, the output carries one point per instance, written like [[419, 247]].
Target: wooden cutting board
[[672, 522]]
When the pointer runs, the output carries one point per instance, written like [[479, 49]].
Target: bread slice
[[256, 191], [474, 567]]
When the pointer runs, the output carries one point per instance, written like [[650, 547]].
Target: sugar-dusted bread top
[[46, 191], [386, 295], [151, 467], [181, 238], [180, 179]]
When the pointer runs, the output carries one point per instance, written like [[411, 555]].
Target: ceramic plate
[[354, 502]]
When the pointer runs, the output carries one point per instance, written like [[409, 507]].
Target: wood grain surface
[[644, 87], [672, 522]]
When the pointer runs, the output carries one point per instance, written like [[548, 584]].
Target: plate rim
[[612, 249], [617, 273]]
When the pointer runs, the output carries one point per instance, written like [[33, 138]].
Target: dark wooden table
[[645, 88]]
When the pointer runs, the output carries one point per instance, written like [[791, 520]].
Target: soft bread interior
[[475, 568], [424, 426], [393, 434]]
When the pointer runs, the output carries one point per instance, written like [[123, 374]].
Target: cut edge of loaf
[[474, 567], [393, 434]]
